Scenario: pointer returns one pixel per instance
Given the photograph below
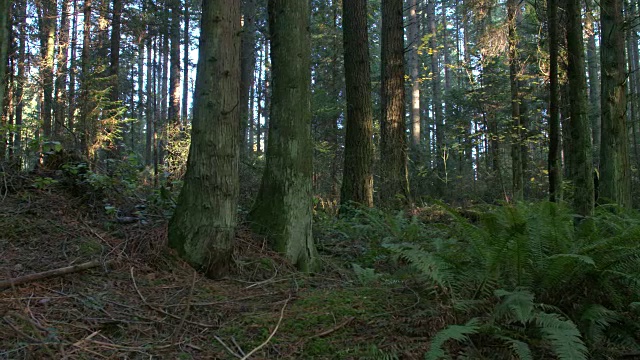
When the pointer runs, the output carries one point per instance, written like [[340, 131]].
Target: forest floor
[[143, 302]]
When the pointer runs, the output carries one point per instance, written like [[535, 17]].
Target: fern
[[452, 332]]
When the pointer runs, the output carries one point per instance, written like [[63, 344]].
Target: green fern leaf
[[451, 332], [563, 335]]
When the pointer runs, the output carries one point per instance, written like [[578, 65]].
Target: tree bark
[[48, 15], [594, 80], [72, 72], [580, 153], [185, 65], [248, 63], [393, 147], [202, 228], [174, 75], [413, 35], [61, 75], [148, 149], [21, 17], [283, 209], [516, 141], [554, 163], [436, 92], [115, 49], [86, 128], [357, 182], [615, 171]]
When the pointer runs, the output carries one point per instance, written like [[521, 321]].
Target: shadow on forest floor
[[142, 302]]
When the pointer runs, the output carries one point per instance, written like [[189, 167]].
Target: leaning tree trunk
[[581, 172], [203, 225], [357, 182], [393, 148], [283, 209], [615, 172]]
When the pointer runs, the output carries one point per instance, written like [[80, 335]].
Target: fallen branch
[[272, 333], [333, 329], [48, 274]]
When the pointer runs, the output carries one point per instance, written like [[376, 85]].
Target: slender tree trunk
[[174, 82], [61, 76], [21, 17], [115, 49], [185, 65], [594, 81], [580, 154], [357, 182], [516, 150], [202, 228], [413, 35], [140, 68], [164, 98], [260, 99], [283, 209], [48, 17], [634, 79], [615, 171], [554, 163], [393, 146], [72, 73], [248, 63], [86, 138], [148, 149], [436, 93]]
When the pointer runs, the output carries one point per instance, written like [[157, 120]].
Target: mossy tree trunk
[[393, 144], [283, 208], [615, 172], [357, 182], [202, 228], [581, 171]]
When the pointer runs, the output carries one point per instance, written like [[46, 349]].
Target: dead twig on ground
[[272, 332], [333, 329], [50, 273]]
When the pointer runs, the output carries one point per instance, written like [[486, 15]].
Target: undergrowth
[[524, 280]]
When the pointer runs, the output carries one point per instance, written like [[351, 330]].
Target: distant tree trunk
[[357, 181], [634, 78], [283, 208], [48, 15], [141, 100], [259, 100], [555, 165], [594, 80], [174, 81], [185, 65], [148, 149], [393, 143], [267, 91], [61, 75], [202, 228], [436, 92], [615, 171], [413, 35], [248, 61], [580, 152], [21, 17], [72, 72], [516, 149], [86, 138], [164, 98], [4, 79], [115, 49]]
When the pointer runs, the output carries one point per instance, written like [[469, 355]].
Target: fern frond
[[563, 335], [451, 332]]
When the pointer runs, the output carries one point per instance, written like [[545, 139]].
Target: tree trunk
[[436, 93], [86, 137], [283, 209], [148, 149], [21, 17], [594, 81], [357, 181], [516, 141], [115, 49], [202, 228], [393, 147], [413, 35], [248, 62], [185, 65], [48, 17], [61, 76], [554, 163], [174, 81], [615, 171], [72, 73], [580, 153]]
